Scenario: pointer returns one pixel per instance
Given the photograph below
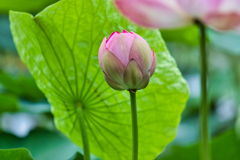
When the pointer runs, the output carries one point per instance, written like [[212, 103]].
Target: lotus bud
[[126, 61]]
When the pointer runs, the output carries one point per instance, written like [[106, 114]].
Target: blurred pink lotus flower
[[126, 61], [219, 14]]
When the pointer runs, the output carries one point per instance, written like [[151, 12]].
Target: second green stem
[[204, 134], [134, 125]]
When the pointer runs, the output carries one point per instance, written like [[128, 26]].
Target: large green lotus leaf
[[15, 154], [60, 47]]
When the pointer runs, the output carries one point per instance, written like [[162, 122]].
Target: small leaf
[[77, 156], [60, 47], [43, 144], [15, 154]]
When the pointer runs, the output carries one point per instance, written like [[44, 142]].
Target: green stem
[[83, 132], [134, 125], [204, 134]]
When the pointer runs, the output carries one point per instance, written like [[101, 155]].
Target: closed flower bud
[[126, 61]]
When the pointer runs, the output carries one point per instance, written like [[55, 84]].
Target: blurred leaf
[[60, 47], [24, 5], [186, 57], [237, 125], [29, 89], [224, 147], [6, 41], [9, 83], [228, 41], [23, 86], [43, 144], [77, 156], [8, 103], [15, 154], [221, 84], [35, 107], [188, 35]]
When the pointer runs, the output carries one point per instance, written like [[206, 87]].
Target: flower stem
[[204, 109], [134, 125], [83, 132]]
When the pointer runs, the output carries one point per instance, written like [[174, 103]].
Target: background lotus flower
[[126, 60], [219, 14]]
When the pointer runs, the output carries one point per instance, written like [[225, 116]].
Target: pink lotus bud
[[126, 61]]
